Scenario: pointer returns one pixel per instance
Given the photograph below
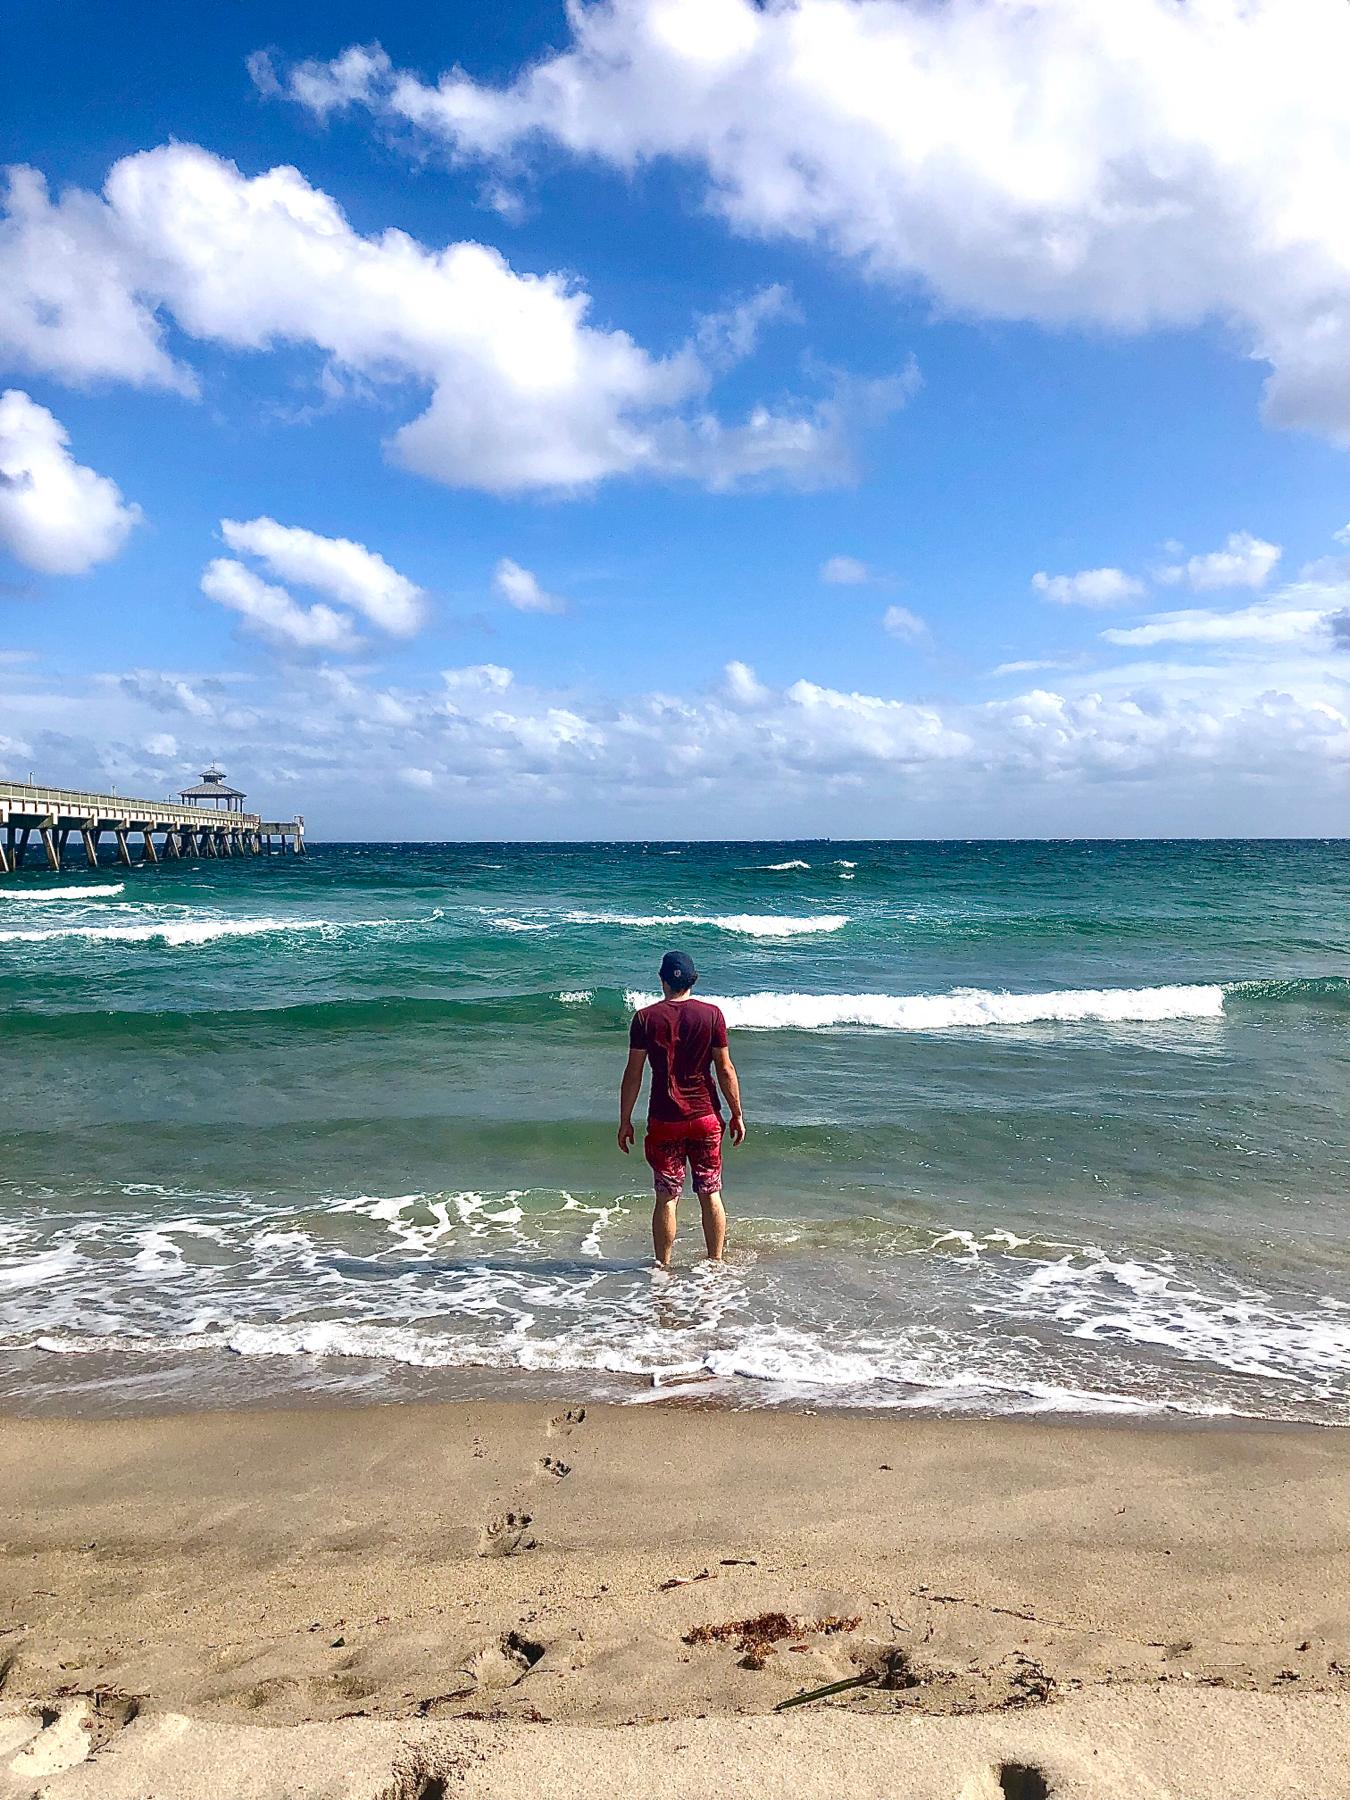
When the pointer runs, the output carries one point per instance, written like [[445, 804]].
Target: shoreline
[[462, 1581], [256, 1385], [98, 1385]]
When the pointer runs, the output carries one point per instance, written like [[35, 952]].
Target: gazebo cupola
[[212, 790]]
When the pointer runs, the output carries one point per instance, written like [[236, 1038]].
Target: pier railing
[[50, 802]]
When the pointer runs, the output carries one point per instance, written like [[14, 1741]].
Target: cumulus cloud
[[347, 572], [525, 391], [1244, 561], [273, 614], [1121, 163], [521, 589], [1256, 738], [1089, 587], [844, 571], [900, 622], [488, 678], [742, 686], [56, 516]]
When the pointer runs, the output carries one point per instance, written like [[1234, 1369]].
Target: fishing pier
[[208, 820]]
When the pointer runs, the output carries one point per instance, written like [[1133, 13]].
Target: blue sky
[[688, 465]]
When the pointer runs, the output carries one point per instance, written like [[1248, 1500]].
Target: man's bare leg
[[714, 1225], [663, 1231]]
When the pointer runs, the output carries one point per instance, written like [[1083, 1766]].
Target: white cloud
[[1089, 587], [1033, 665], [56, 516], [486, 677], [525, 392], [1256, 738], [1269, 623], [844, 571], [1244, 561], [728, 337], [519, 588], [1123, 163], [743, 687], [168, 693], [422, 779], [345, 571], [900, 622], [69, 299], [273, 614]]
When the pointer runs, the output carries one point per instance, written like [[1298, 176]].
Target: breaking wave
[[176, 932], [963, 1008], [102, 890], [760, 925]]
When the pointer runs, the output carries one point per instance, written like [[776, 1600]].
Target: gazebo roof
[[212, 783]]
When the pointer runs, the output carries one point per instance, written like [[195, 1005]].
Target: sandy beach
[[397, 1603]]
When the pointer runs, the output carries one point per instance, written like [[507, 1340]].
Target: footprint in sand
[[506, 1535], [565, 1423], [1007, 1781], [554, 1466]]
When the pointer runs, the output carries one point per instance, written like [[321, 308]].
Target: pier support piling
[[151, 854], [123, 848], [91, 835], [49, 844]]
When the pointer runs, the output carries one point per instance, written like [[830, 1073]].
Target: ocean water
[[1033, 1127]]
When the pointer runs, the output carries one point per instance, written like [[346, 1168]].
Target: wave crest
[[175, 932], [103, 890], [964, 1008], [764, 925]]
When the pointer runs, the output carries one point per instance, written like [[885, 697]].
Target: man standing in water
[[685, 1041]]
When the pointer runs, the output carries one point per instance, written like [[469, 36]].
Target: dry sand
[[409, 1603]]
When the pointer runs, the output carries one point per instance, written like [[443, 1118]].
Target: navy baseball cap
[[677, 970]]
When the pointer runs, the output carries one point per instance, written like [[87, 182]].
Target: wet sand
[[398, 1603]]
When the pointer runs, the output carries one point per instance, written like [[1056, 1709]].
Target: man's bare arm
[[629, 1090], [729, 1083]]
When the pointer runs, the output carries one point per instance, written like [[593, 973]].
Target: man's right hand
[[736, 1128], [626, 1135]]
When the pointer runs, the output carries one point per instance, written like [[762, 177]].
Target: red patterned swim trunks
[[668, 1146]]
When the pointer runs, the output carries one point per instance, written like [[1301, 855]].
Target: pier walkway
[[52, 816]]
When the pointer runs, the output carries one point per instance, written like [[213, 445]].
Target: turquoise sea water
[[1033, 1127]]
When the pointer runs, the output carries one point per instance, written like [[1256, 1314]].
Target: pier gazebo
[[212, 790]]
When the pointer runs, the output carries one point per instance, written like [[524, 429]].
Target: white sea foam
[[787, 1363], [793, 863], [760, 925], [37, 1271], [553, 1284], [963, 1008], [578, 997], [1123, 1299], [177, 932], [104, 890]]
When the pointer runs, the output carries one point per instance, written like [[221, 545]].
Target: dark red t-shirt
[[679, 1037]]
